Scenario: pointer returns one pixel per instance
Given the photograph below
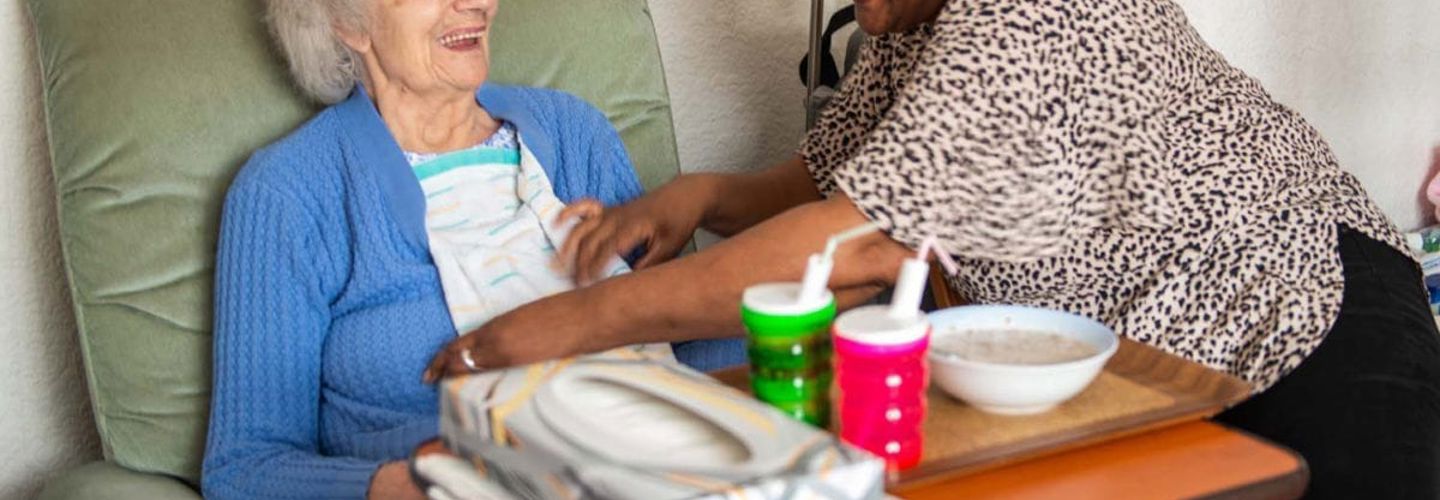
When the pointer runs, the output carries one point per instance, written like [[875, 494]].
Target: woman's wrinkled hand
[[392, 481], [661, 223], [551, 328]]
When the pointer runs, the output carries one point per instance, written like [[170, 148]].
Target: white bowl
[[1011, 389]]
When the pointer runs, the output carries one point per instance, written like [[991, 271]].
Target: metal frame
[[812, 79]]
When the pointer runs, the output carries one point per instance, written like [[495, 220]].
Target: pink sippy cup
[[881, 374]]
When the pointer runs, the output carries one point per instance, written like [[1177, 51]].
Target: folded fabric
[[490, 217], [625, 424]]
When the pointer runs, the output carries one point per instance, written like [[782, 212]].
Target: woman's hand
[[662, 222], [692, 298], [554, 327], [392, 481]]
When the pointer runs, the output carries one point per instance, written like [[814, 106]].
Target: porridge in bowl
[[1012, 347], [1016, 360]]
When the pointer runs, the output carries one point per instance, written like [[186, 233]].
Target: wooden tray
[[1142, 388]]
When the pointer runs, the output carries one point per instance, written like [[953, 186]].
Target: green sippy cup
[[789, 348]]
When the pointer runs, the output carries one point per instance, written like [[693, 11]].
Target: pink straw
[[931, 245]]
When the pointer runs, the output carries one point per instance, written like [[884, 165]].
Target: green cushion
[[153, 104], [603, 51]]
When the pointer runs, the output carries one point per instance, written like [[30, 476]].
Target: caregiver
[[1092, 156]]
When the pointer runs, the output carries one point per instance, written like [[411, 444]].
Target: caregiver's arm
[[697, 296], [663, 221], [744, 200]]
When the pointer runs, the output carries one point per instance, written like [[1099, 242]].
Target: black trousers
[[1364, 408]]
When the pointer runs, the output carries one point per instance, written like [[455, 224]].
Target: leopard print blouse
[[1096, 156]]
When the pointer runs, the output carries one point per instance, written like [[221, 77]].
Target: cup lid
[[876, 326], [783, 299]]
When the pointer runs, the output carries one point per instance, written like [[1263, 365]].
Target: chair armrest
[[107, 480]]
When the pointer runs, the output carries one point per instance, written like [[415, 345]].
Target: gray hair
[[321, 64]]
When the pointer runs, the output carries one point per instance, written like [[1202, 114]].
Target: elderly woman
[[1092, 156], [418, 205]]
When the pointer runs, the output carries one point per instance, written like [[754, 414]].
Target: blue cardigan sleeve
[[271, 318], [590, 159], [612, 175]]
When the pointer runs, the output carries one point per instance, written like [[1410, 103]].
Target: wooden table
[[1188, 460], [1192, 460], [1196, 459]]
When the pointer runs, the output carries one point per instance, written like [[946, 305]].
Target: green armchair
[[152, 105]]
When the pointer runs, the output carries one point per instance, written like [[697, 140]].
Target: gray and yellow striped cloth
[[626, 424]]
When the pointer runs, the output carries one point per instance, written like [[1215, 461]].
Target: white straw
[[843, 236], [817, 270], [910, 285]]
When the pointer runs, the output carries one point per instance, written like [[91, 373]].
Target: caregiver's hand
[[661, 222], [559, 328]]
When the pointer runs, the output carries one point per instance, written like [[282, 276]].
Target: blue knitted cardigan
[[328, 306]]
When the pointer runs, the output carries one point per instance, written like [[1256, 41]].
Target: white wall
[[1366, 73], [733, 71], [734, 82], [45, 422]]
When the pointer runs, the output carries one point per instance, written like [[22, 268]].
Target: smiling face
[[426, 46], [878, 17]]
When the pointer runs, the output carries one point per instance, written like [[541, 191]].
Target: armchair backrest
[[152, 105]]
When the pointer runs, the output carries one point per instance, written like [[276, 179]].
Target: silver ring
[[468, 359]]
